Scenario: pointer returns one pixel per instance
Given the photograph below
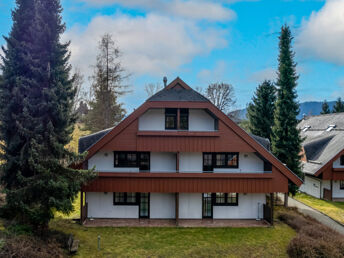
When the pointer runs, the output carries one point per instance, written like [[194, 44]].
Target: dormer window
[[305, 129], [330, 128], [176, 119]]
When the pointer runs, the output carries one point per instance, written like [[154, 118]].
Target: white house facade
[[179, 157]]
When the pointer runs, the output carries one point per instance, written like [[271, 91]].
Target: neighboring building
[[179, 157], [323, 156]]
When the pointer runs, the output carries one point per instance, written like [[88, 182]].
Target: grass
[[334, 210], [179, 242]]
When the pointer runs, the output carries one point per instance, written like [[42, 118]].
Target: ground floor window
[[230, 199], [341, 185], [125, 198]]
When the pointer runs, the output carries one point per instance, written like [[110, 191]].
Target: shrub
[[24, 246], [313, 239]]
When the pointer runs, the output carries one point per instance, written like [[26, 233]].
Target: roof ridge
[[330, 114]]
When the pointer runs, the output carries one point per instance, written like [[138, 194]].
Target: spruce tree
[[260, 111], [286, 139], [338, 106], [325, 108], [105, 111], [36, 97]]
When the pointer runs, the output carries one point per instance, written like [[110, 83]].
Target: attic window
[[342, 160], [330, 128], [305, 129]]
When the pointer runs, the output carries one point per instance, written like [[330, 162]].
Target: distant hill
[[309, 108]]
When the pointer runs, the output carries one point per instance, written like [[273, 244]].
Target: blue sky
[[205, 41]]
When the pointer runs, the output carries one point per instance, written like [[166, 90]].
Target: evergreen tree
[[260, 111], [36, 99], [105, 111], [338, 106], [325, 108], [286, 139]]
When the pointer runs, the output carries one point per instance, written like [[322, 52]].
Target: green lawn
[[179, 242], [334, 210]]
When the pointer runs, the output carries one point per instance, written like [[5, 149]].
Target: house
[[323, 156], [179, 157]]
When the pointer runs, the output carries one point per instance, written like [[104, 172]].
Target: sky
[[204, 41]]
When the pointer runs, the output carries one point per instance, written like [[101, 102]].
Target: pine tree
[[260, 111], [338, 106], [286, 139], [36, 99], [325, 108], [105, 111]]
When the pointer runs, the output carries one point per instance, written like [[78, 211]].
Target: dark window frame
[[226, 203], [127, 164], [341, 184], [125, 197], [170, 114], [342, 160], [214, 159]]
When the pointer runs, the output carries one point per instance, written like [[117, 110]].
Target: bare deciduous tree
[[78, 84], [221, 95], [152, 88]]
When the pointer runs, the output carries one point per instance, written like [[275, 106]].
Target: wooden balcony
[[188, 182]]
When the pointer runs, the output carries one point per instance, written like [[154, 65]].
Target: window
[[184, 119], [226, 199], [341, 185], [144, 161], [125, 199], [220, 160], [342, 160], [170, 119], [132, 159], [207, 162]]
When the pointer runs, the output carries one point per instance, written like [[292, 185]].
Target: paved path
[[322, 218]]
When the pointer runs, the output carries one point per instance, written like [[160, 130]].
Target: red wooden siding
[[189, 182]]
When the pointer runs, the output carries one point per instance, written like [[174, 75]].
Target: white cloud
[[322, 35], [153, 44], [191, 9], [265, 74]]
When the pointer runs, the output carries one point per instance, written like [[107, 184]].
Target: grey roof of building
[[87, 141], [321, 145], [178, 94], [263, 141]]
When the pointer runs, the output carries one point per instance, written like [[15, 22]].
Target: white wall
[[200, 120], [336, 191], [191, 162], [104, 162], [163, 162], [190, 205], [162, 206], [311, 186], [100, 205], [336, 163], [247, 208], [152, 120], [248, 163]]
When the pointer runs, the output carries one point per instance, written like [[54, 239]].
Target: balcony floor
[[209, 223]]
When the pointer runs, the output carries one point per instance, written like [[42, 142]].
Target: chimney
[[165, 81]]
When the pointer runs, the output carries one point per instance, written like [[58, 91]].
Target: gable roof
[[256, 143], [87, 141], [178, 90], [321, 146]]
